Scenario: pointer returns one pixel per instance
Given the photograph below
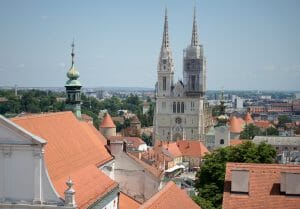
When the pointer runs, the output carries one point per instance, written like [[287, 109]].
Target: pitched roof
[[107, 122], [262, 123], [236, 125], [73, 148], [248, 119], [234, 142], [90, 185], [126, 202], [264, 187], [173, 149], [170, 197], [192, 148], [136, 141]]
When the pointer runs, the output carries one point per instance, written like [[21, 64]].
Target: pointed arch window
[[178, 107], [164, 83], [174, 107], [182, 107]]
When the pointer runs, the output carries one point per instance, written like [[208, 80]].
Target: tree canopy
[[210, 178]]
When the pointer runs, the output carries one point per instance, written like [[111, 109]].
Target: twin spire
[[194, 41]]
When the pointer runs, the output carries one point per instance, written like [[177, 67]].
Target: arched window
[[178, 107], [182, 107], [222, 141], [174, 107]]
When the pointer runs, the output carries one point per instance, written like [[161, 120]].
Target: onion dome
[[73, 74]]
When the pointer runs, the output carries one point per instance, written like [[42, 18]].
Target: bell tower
[[73, 88]]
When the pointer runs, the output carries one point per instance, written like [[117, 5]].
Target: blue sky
[[249, 44]]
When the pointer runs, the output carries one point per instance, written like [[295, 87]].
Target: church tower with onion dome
[[73, 88]]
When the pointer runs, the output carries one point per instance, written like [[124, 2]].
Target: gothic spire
[[195, 41], [165, 41]]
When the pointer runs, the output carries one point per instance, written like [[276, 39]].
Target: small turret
[[107, 127], [70, 194]]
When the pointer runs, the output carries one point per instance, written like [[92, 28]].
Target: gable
[[13, 134]]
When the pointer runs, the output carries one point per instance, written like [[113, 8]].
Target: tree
[[282, 120], [210, 178], [271, 131], [250, 132]]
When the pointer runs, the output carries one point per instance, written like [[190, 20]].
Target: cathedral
[[181, 108]]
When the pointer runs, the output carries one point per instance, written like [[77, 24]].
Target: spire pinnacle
[[165, 42], [73, 54], [195, 41]]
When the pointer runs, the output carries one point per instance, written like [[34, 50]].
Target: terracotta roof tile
[[248, 119], [173, 149], [126, 202], [90, 184], [107, 122], [263, 123], [236, 125], [192, 148], [234, 142], [264, 187], [72, 146], [170, 197]]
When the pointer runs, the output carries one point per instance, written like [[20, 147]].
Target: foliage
[[271, 131], [282, 120], [210, 179], [250, 132], [147, 139]]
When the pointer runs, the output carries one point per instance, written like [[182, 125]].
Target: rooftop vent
[[239, 181], [290, 183]]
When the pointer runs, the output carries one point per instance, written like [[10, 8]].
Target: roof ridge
[[264, 165], [39, 115]]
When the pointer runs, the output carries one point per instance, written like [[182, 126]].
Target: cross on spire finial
[[194, 41]]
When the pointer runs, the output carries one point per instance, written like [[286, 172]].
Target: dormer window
[[240, 181]]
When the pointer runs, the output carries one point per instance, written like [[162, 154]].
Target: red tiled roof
[[170, 197], [262, 123], [136, 141], [72, 146], [236, 125], [107, 122], [126, 202], [248, 119], [90, 184], [264, 187], [192, 148], [173, 149], [234, 142]]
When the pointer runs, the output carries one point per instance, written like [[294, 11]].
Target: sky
[[249, 44]]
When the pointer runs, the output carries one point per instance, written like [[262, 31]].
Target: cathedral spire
[[165, 41], [195, 41]]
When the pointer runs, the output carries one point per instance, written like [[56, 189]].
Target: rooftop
[[264, 187]]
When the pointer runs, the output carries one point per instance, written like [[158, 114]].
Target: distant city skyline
[[249, 45]]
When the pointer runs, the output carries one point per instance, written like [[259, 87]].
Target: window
[[164, 83], [193, 82], [163, 105], [222, 141], [178, 107], [174, 107], [182, 107], [192, 106]]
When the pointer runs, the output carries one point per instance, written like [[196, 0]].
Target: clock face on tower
[[178, 120]]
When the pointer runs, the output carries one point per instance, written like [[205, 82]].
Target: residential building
[[170, 197], [249, 185]]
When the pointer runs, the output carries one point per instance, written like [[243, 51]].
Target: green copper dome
[[73, 73]]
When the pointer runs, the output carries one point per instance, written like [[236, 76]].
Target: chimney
[[290, 183], [70, 194], [240, 181]]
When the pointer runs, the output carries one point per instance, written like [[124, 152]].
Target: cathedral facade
[[180, 107]]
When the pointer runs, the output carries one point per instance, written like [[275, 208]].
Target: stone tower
[[179, 109], [73, 88], [107, 127]]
